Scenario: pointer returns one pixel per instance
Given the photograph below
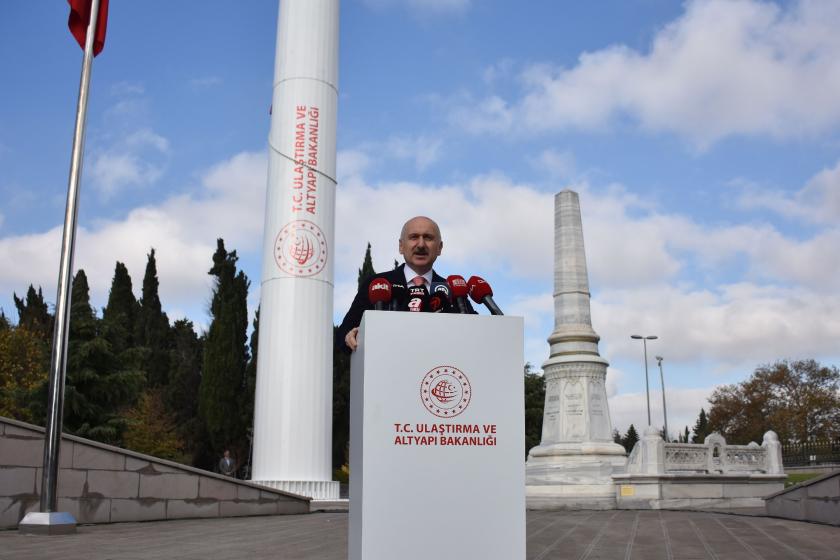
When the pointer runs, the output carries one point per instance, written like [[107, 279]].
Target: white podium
[[437, 438]]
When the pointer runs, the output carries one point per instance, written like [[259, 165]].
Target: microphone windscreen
[[418, 298], [379, 291], [441, 288], [398, 294], [458, 286], [479, 289], [438, 303]]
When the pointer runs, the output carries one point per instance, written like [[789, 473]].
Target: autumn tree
[[23, 368], [151, 429], [798, 400], [534, 403]]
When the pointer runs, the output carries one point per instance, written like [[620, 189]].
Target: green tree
[[799, 400], [630, 438], [616, 435], [685, 437], [4, 321], [34, 315], [120, 314], [341, 405], [99, 385], [247, 395], [701, 428], [181, 393], [225, 355], [152, 329], [534, 403], [367, 267]]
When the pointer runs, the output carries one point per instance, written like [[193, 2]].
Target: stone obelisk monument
[[293, 400], [571, 467]]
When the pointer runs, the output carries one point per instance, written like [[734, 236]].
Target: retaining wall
[[100, 483]]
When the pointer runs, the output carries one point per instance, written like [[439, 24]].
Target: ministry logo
[[301, 248], [445, 391]]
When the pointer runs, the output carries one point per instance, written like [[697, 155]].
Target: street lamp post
[[662, 380], [644, 340]]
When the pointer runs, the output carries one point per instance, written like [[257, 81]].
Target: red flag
[[80, 18]]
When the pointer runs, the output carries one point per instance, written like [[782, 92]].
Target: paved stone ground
[[605, 535]]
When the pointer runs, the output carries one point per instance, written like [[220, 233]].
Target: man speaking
[[420, 245]]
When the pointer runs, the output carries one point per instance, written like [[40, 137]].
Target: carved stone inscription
[[551, 422], [573, 408]]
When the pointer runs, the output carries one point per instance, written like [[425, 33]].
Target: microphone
[[481, 292], [459, 292], [398, 297], [418, 299], [379, 293], [439, 300]]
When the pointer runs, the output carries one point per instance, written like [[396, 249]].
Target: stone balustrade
[[652, 455], [709, 474]]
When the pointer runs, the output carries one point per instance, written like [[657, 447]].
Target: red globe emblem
[[445, 391], [300, 248]]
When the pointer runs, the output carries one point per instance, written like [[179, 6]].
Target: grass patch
[[796, 478]]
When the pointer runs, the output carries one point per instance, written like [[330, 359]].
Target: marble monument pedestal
[[573, 476]]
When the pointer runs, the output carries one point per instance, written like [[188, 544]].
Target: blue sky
[[703, 137]]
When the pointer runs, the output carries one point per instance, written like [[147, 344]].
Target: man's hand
[[350, 339]]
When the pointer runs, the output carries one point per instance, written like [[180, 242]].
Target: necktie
[[418, 281]]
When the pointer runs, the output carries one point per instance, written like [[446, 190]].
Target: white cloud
[[558, 164], [722, 68], [136, 160], [183, 230], [683, 408], [423, 150], [817, 202]]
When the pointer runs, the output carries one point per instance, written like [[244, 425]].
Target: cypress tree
[[4, 322], [99, 385], [534, 405], [630, 438], [152, 329], [120, 315], [701, 427], [341, 406], [341, 384], [33, 314], [247, 405], [181, 393], [225, 356], [367, 267]]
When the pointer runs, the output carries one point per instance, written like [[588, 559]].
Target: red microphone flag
[[80, 19]]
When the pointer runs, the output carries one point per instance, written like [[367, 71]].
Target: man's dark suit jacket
[[361, 303]]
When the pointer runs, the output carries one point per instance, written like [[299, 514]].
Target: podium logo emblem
[[300, 248], [445, 391]]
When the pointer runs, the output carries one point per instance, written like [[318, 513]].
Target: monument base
[[573, 476], [315, 489]]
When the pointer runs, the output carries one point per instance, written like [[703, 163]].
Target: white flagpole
[[48, 520]]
